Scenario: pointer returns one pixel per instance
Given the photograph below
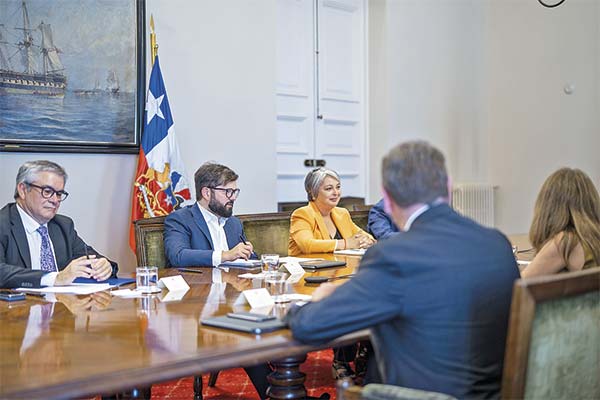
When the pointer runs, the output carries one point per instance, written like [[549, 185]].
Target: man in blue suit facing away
[[205, 233], [436, 298]]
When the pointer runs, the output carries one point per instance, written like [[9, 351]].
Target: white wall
[[430, 87], [533, 126], [483, 80], [218, 63]]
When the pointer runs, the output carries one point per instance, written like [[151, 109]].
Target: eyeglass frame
[[229, 192], [59, 193]]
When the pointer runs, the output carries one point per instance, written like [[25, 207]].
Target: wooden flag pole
[[153, 45]]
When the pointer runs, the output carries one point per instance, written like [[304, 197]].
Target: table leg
[[287, 381]]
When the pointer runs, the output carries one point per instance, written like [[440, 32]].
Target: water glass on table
[[146, 278], [276, 283], [270, 262]]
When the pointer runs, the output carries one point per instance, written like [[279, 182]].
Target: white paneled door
[[320, 93]]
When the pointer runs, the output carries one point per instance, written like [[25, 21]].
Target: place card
[[293, 267], [257, 298], [173, 295], [173, 283]]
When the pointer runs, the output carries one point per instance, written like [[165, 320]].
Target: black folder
[[242, 325], [318, 264]]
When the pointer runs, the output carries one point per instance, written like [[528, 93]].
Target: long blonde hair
[[568, 202]]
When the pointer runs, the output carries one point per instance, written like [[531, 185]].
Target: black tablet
[[243, 325], [318, 264]]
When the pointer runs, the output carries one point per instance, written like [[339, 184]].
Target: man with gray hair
[[436, 298], [38, 247]]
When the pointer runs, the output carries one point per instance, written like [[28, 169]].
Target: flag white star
[[153, 107]]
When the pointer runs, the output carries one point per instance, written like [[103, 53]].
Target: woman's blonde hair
[[568, 202]]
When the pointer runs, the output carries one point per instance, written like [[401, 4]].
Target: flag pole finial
[[153, 44]]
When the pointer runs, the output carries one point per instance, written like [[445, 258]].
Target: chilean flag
[[160, 182]]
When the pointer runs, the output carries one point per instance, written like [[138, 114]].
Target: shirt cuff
[[216, 258], [48, 279]]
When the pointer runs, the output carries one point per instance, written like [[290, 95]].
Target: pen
[[197, 271], [243, 241]]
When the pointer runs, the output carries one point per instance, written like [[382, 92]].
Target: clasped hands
[[360, 240], [84, 267]]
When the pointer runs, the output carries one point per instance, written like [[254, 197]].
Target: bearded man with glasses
[[39, 247], [206, 234]]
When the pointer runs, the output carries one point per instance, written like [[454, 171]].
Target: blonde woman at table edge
[[321, 226], [565, 231]]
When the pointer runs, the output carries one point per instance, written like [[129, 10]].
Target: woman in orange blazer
[[321, 226]]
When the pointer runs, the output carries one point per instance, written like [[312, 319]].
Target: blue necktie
[[47, 262]]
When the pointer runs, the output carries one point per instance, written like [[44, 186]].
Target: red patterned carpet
[[234, 384]]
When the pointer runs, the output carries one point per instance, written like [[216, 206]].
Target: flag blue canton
[[157, 128]]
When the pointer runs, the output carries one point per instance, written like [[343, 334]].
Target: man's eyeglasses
[[47, 192], [228, 191]]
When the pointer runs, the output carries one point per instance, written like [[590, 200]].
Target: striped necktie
[[47, 262]]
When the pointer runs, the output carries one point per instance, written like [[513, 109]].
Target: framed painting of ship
[[72, 75]]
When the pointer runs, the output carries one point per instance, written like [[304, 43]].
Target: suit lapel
[[18, 232], [341, 223], [321, 227], [61, 253], [199, 218]]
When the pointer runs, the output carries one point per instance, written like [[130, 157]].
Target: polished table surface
[[87, 345]]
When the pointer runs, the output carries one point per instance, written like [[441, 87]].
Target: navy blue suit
[[380, 224], [187, 238], [437, 300], [15, 257]]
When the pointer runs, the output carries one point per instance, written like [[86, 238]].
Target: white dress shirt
[[414, 216], [217, 233], [34, 240]]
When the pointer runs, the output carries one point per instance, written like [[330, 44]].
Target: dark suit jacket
[[187, 238], [380, 224], [15, 259], [437, 300]]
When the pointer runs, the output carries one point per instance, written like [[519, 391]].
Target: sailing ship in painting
[[112, 86], [28, 77]]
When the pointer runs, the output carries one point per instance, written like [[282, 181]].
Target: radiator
[[474, 200]]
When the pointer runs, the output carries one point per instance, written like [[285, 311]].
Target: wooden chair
[[150, 250], [553, 344], [269, 233], [360, 218]]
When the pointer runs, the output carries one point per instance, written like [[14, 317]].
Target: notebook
[[244, 326], [318, 264]]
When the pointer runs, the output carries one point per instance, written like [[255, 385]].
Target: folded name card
[[293, 267], [173, 283], [257, 298]]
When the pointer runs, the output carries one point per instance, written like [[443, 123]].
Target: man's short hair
[[28, 172], [414, 172], [315, 178], [212, 175]]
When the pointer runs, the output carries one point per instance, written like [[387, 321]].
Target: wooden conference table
[[100, 344]]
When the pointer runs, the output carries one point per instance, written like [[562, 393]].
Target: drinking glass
[[270, 262], [276, 285], [146, 279]]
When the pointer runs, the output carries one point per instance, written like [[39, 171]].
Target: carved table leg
[[287, 382]]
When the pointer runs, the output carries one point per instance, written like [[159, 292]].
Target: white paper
[[249, 275], [128, 293], [87, 288], [296, 297], [257, 298], [295, 278], [351, 252], [522, 262], [173, 283], [293, 267]]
